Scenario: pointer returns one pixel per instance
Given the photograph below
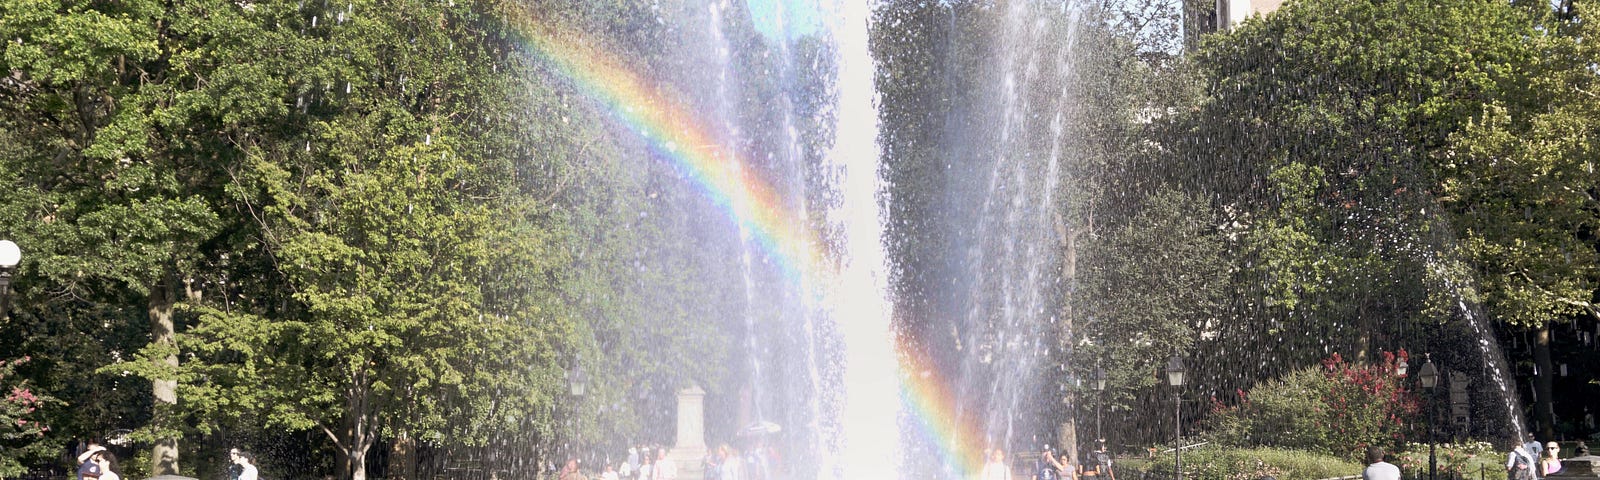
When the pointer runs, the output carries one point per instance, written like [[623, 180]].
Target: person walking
[[1520, 464], [247, 466], [1377, 469], [665, 468], [996, 468], [1095, 464], [1550, 462]]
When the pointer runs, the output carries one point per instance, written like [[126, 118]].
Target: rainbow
[[751, 202], [671, 130], [958, 442]]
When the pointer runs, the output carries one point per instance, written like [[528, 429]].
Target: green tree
[[414, 265], [115, 106]]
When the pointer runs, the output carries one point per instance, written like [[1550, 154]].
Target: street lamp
[[1175, 374], [1401, 367], [1100, 400], [1430, 378], [576, 380], [10, 256]]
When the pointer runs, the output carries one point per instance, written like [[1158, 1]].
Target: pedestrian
[[1048, 467], [1103, 460], [569, 471], [233, 464], [88, 468], [1377, 469], [247, 466], [665, 468], [1520, 464], [732, 469], [996, 468], [107, 462], [1533, 446], [610, 473], [1550, 462], [1096, 464]]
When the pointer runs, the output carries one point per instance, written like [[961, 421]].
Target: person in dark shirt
[[233, 464]]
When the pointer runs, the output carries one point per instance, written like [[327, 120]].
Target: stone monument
[[689, 449]]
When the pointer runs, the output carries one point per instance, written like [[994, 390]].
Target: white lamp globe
[[10, 255]]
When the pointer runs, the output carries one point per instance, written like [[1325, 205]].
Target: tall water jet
[[869, 446]]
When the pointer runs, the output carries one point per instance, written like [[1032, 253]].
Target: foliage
[[1160, 275], [1454, 459], [1339, 408], [1226, 463], [20, 426], [1518, 180]]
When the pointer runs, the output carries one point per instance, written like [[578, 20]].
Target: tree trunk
[[1543, 384], [358, 463], [360, 431], [403, 458], [164, 453]]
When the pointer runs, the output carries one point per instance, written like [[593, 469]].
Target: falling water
[[1012, 261], [871, 436], [747, 251]]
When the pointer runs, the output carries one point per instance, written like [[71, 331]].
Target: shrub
[[1339, 408], [1453, 458], [1222, 463], [20, 430]]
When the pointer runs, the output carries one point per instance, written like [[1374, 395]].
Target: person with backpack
[[1520, 465]]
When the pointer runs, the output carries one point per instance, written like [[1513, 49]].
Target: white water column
[[869, 422]]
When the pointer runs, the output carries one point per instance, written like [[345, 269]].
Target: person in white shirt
[[996, 469], [247, 465], [665, 468], [1377, 469]]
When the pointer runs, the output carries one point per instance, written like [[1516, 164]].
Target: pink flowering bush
[[20, 431], [1338, 407]]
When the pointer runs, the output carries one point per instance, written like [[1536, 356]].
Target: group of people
[[1092, 465], [651, 463], [1529, 462], [95, 462], [727, 463], [640, 465]]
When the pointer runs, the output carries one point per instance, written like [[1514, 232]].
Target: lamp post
[[1430, 378], [10, 256], [1100, 400], [1175, 374]]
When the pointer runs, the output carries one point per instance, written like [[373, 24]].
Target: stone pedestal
[[689, 449]]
